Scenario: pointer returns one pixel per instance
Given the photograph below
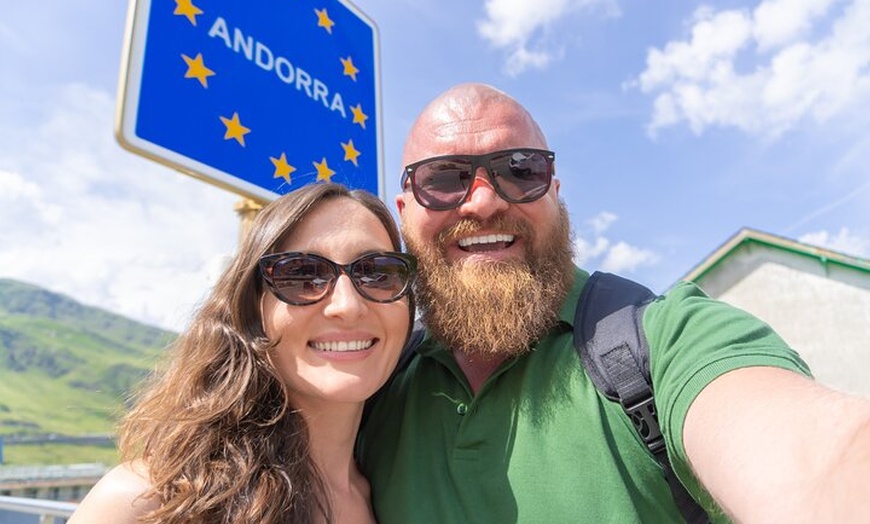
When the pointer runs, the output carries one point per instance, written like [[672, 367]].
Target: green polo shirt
[[539, 443]]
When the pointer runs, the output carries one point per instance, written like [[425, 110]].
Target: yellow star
[[349, 69], [350, 152], [186, 8], [358, 116], [282, 168], [235, 129], [196, 69], [323, 171], [323, 20]]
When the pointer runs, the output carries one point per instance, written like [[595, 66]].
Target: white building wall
[[821, 309]]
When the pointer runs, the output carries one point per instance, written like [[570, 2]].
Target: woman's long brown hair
[[215, 427]]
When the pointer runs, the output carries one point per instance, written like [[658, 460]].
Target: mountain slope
[[65, 367]]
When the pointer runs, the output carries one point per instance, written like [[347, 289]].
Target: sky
[[675, 124]]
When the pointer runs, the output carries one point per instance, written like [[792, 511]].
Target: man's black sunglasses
[[301, 279], [517, 175]]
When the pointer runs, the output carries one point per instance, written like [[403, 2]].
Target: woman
[[255, 417]]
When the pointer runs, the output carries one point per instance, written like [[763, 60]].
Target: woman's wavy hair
[[215, 425]]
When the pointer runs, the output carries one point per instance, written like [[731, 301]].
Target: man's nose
[[483, 201]]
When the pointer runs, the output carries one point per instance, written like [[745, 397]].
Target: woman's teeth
[[353, 345]]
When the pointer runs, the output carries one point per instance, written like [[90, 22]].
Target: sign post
[[258, 97]]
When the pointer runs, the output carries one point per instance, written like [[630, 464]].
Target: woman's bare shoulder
[[119, 494]]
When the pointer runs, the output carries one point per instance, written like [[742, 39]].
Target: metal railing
[[48, 511], [52, 472]]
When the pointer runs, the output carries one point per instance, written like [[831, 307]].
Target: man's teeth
[[486, 239], [353, 345]]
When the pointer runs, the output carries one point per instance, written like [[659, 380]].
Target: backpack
[[609, 338]]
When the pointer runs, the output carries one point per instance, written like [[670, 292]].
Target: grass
[[38, 405], [46, 454], [66, 369]]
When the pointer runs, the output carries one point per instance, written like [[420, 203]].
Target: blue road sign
[[259, 97]]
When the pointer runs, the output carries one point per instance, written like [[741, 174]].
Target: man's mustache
[[469, 226]]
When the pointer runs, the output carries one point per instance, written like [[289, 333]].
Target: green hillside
[[66, 368]]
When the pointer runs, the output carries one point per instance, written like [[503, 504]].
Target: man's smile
[[486, 242]]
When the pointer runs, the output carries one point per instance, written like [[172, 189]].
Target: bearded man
[[495, 420]]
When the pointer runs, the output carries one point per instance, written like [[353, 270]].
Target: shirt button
[[462, 408]]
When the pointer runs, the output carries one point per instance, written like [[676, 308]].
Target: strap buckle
[[643, 416]]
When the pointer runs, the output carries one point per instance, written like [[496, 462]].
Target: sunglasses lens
[[521, 176], [443, 183], [381, 278], [302, 279]]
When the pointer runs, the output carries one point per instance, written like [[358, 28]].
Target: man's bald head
[[471, 118]]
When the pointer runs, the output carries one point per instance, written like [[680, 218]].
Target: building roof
[[751, 236]]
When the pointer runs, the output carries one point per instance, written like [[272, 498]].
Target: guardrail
[[100, 439], [51, 472], [48, 511]]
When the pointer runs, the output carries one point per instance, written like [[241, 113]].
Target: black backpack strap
[[608, 336]]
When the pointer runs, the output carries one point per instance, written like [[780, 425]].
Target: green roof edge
[[748, 235]]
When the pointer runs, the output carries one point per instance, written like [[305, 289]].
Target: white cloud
[[587, 251], [524, 29], [83, 217], [23, 198], [625, 258], [843, 241], [780, 22], [600, 252], [522, 59], [807, 62], [601, 222]]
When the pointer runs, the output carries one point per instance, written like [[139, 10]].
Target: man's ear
[[557, 183], [400, 202]]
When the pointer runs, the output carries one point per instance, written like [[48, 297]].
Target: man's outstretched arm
[[773, 446]]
